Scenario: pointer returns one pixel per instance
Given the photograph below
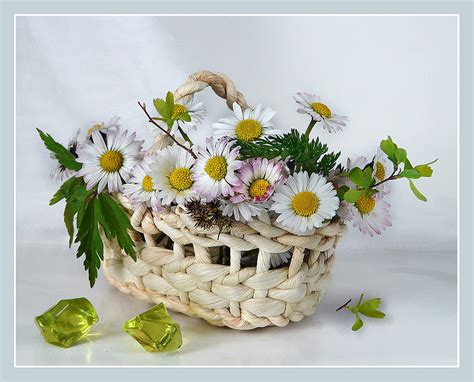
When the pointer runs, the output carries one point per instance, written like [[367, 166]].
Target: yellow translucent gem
[[67, 322], [155, 330]]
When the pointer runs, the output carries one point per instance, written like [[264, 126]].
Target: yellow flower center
[[216, 167], [178, 109], [147, 184], [305, 203], [111, 161], [379, 171], [321, 109], [95, 127], [248, 130], [258, 188], [180, 178], [365, 205]]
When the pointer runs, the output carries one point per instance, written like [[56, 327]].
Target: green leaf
[[163, 109], [183, 116], [417, 193], [424, 170], [372, 304], [374, 314], [170, 101], [388, 147], [407, 164], [341, 191], [357, 324], [88, 236], [400, 155], [62, 154], [65, 190], [115, 223], [411, 173], [353, 196], [362, 178]]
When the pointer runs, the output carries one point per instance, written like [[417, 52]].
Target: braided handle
[[220, 83]]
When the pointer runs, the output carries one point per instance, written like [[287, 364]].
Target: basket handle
[[220, 83]]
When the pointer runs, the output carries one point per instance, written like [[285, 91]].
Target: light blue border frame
[[11, 7]]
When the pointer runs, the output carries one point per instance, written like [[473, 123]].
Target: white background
[[390, 75]]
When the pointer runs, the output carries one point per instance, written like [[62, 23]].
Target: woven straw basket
[[187, 279]]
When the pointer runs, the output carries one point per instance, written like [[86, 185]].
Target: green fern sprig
[[302, 153]]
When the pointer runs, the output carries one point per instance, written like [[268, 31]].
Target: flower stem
[[309, 128], [143, 106], [343, 306], [391, 177]]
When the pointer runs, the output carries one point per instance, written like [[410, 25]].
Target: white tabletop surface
[[418, 291]]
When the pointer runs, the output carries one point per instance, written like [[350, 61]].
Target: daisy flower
[[277, 259], [172, 175], [108, 162], [61, 173], [319, 112], [369, 214], [140, 188], [103, 127], [383, 168], [258, 179], [304, 201], [196, 111], [240, 209], [214, 171], [246, 125]]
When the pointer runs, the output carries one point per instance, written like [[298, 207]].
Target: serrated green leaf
[[415, 191], [400, 155], [411, 173], [424, 170], [65, 190], [116, 223], [62, 154], [352, 196], [357, 324]]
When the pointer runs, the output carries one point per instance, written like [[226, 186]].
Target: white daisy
[[103, 127], [319, 112], [246, 125], [214, 171], [195, 110], [140, 187], [304, 201], [172, 175], [258, 179], [370, 214], [383, 168], [108, 162], [61, 173], [240, 208]]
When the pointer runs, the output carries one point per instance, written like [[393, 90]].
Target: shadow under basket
[[177, 266]]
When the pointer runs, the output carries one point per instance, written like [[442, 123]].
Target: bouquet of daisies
[[247, 170]]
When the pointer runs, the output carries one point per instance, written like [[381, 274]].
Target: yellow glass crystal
[[155, 330], [67, 322]]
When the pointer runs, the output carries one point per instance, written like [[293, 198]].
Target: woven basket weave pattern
[[186, 280]]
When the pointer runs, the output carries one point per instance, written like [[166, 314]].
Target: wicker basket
[[187, 279]]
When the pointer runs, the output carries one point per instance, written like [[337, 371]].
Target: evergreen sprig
[[301, 152]]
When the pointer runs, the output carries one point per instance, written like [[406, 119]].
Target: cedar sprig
[[301, 152]]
